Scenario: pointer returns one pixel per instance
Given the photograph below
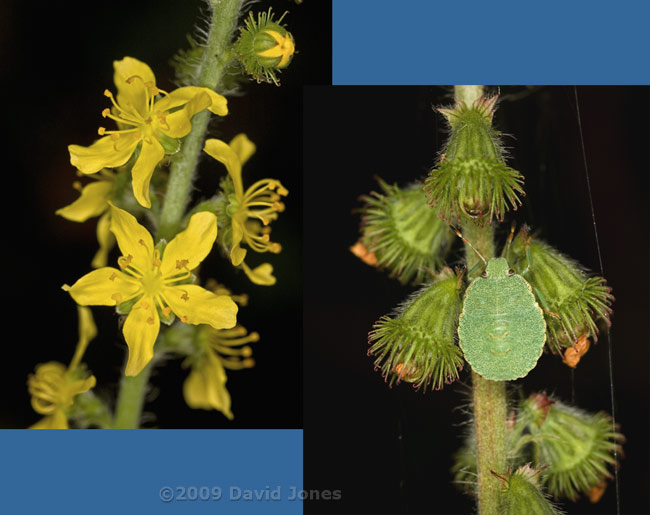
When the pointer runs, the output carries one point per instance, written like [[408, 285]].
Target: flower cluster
[[155, 287]]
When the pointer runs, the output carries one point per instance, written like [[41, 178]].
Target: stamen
[[181, 263], [124, 262], [131, 118]]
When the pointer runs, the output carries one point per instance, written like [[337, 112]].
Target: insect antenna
[[509, 242], [469, 244]]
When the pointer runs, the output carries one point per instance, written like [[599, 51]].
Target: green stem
[[131, 399], [214, 62], [489, 396]]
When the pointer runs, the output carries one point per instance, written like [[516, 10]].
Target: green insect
[[501, 328]]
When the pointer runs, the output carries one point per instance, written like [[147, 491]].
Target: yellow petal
[[178, 97], [237, 254], [243, 147], [103, 153], [205, 387], [190, 247], [135, 93], [150, 155], [87, 332], [92, 202], [179, 121], [195, 305], [222, 152], [262, 275], [105, 239], [103, 287], [132, 238], [56, 420], [140, 332]]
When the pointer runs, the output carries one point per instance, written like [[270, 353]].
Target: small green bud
[[572, 302], [472, 178], [521, 493], [402, 234], [417, 345], [264, 47], [577, 446]]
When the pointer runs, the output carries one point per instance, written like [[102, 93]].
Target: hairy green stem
[[131, 399], [214, 61], [489, 397]]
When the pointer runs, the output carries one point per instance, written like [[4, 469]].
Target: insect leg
[[544, 304], [529, 259]]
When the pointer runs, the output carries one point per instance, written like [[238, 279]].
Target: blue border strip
[[151, 471], [418, 42]]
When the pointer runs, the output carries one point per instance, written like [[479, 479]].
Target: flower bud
[[264, 47], [401, 234], [472, 178], [577, 446], [417, 344], [572, 302]]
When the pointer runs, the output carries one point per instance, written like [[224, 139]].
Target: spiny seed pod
[[401, 234], [417, 344], [472, 178], [577, 446], [264, 47], [572, 302], [521, 493]]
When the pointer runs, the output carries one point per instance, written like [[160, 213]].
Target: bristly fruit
[[577, 446], [399, 233], [417, 344], [521, 493], [471, 178], [572, 301]]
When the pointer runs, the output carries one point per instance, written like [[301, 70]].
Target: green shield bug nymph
[[501, 329]]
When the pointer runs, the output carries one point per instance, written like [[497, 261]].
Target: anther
[[101, 131], [185, 296], [108, 94], [106, 112], [181, 263]]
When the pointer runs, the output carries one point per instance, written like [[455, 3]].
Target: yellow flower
[[156, 285], [250, 211], [53, 387], [205, 387], [94, 202], [143, 122]]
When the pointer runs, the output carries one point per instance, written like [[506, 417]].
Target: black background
[[55, 62], [353, 421]]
